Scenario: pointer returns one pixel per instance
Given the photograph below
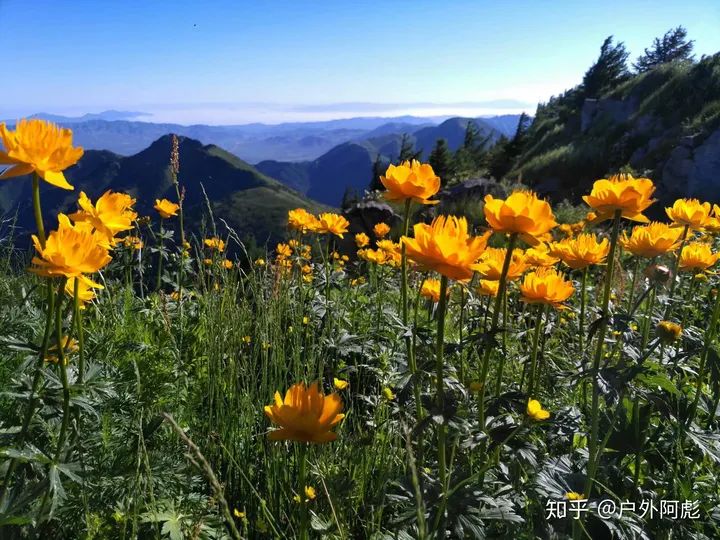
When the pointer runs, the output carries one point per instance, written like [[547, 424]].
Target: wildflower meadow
[[546, 374]]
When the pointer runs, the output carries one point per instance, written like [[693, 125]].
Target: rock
[[473, 188], [693, 171], [616, 110]]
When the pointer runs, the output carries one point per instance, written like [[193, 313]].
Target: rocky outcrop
[[693, 169], [616, 111]]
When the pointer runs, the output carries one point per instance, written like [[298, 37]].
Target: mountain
[[348, 166], [505, 124], [110, 116], [250, 202], [663, 123]]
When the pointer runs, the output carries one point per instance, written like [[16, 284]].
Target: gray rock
[[694, 171]]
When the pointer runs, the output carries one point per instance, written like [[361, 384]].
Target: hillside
[[251, 203], [349, 166], [663, 123]]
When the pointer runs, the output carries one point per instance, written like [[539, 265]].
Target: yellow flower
[[574, 496], [381, 229], [69, 345], [431, 289], [546, 286], [475, 387], [651, 240], [446, 247], [227, 264], [582, 251], [689, 212], [376, 256], [621, 192], [306, 320], [411, 180], [302, 220], [522, 213], [536, 412], [697, 256], [215, 243], [491, 263], [388, 393], [70, 251], [330, 223], [165, 208], [361, 240], [260, 262], [305, 415], [133, 242], [668, 331], [85, 289], [488, 287], [357, 281], [283, 251], [310, 493], [207, 262], [238, 514], [293, 243], [540, 256], [111, 214], [340, 384], [247, 340], [40, 147]]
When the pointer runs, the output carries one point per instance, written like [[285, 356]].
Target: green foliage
[[672, 47], [442, 162], [608, 70]]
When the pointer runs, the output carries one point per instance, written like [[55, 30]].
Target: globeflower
[[431, 290], [651, 240], [411, 180], [40, 147], [381, 229], [582, 251], [446, 247], [536, 412], [305, 415], [70, 251], [110, 215], [491, 263], [631, 196], [521, 213], [689, 213], [166, 208], [361, 240], [488, 287], [330, 223], [85, 289], [539, 256], [697, 256], [668, 331], [546, 286], [301, 220], [215, 243]]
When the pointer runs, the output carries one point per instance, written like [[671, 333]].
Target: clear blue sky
[[228, 61]]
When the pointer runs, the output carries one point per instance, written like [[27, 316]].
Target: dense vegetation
[[437, 386]]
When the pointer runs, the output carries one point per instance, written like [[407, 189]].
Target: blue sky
[[227, 61]]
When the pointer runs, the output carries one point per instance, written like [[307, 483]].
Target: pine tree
[[441, 160], [673, 46], [609, 69], [470, 157], [407, 149], [378, 169]]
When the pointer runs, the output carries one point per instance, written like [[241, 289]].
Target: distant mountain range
[[121, 132], [251, 203], [349, 166]]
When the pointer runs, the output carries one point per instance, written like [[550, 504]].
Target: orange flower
[[546, 286], [361, 240], [697, 256], [165, 208], [110, 215], [302, 220], [40, 147], [491, 263], [522, 213], [621, 192], [581, 252], [689, 212], [446, 247], [283, 251], [651, 240], [330, 223], [431, 289], [215, 243], [381, 229], [488, 287], [85, 289], [540, 256], [70, 251], [411, 180], [305, 415], [375, 256]]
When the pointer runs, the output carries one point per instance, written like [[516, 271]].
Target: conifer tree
[[441, 160], [407, 149], [672, 47], [609, 69]]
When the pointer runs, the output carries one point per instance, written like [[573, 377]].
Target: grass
[[214, 357]]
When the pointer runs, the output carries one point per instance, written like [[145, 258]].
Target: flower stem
[[494, 326], [539, 325], [673, 281], [160, 256], [302, 473], [709, 338], [593, 456], [439, 366], [37, 209]]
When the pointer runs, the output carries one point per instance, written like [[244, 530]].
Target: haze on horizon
[[283, 61]]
